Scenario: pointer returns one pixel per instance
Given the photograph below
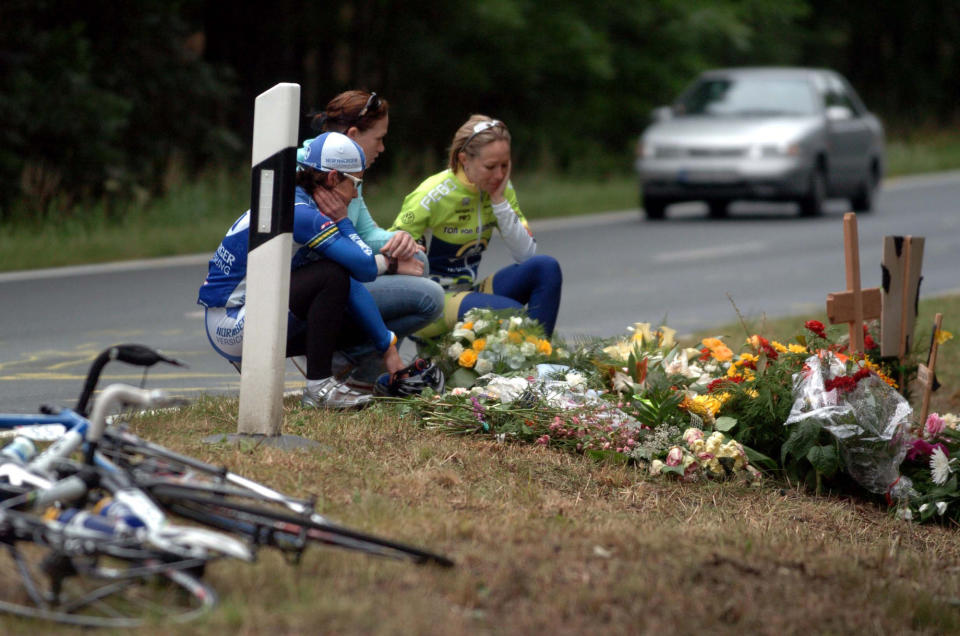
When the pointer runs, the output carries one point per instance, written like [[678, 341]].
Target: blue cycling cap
[[332, 151]]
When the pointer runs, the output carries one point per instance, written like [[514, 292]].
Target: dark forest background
[[107, 100]]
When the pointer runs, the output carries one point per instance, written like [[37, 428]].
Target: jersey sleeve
[[337, 241], [414, 216], [513, 227]]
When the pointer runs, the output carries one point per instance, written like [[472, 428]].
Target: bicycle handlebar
[[135, 354], [117, 394]]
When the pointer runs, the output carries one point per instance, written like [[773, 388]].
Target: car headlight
[[769, 151]]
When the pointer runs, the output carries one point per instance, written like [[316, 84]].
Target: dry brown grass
[[547, 542]]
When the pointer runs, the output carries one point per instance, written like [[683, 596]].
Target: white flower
[[528, 349], [516, 362], [923, 508], [455, 350], [939, 466], [516, 321], [483, 366], [480, 325], [574, 380], [466, 334], [905, 514], [941, 507]]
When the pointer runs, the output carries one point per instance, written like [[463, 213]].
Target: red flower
[[868, 341], [843, 383], [719, 382], [816, 327], [704, 354]]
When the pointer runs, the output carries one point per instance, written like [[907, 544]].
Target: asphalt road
[[618, 269]]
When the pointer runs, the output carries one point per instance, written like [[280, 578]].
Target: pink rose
[[674, 456], [934, 425]]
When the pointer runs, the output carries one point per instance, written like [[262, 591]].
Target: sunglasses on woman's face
[[356, 180], [372, 102]]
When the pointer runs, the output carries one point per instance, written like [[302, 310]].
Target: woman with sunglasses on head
[[329, 309], [407, 300], [457, 209]]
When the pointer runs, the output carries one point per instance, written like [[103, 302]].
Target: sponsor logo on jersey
[[440, 191]]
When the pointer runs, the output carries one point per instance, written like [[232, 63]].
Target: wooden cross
[[854, 305], [902, 258], [926, 373]]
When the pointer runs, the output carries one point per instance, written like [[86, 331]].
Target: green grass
[[193, 217], [552, 542]]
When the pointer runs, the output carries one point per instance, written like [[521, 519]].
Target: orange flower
[[468, 325], [543, 346], [718, 350], [479, 344], [515, 337], [468, 358]]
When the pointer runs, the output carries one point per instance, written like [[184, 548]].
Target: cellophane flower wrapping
[[870, 422]]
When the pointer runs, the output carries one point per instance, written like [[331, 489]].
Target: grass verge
[[550, 542]]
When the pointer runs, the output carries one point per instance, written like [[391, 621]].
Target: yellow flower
[[479, 344], [666, 335], [795, 348], [532, 339], [879, 371], [747, 357], [468, 325], [544, 347], [515, 337], [779, 348], [641, 332], [468, 358], [621, 350], [943, 335]]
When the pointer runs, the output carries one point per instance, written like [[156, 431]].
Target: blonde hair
[[470, 141]]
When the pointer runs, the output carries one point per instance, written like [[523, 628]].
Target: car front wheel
[[812, 202]]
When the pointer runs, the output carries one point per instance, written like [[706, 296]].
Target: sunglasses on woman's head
[[481, 127], [372, 102]]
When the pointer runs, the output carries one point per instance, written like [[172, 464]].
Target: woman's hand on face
[[410, 266], [401, 246], [497, 196], [330, 204]]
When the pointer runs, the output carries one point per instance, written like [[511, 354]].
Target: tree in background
[[118, 99]]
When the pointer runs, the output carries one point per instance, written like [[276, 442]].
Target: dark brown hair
[[465, 140], [343, 112], [310, 179]]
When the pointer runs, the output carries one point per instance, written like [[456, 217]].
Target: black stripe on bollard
[[271, 213]]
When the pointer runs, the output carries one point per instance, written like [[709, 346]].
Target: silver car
[[768, 134]]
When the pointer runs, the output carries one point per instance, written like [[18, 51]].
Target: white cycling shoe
[[330, 393]]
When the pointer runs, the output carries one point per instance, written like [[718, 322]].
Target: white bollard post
[[275, 128]]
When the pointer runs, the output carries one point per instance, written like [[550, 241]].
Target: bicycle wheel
[[46, 574], [269, 523]]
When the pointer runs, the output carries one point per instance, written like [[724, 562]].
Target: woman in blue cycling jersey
[[406, 299], [329, 308], [455, 212]]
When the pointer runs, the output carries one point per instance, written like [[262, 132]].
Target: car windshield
[[748, 97]]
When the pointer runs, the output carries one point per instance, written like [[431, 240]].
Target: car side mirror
[[839, 113], [661, 113]]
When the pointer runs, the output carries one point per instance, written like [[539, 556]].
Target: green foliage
[[97, 100]]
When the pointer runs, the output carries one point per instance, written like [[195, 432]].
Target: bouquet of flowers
[[867, 418], [490, 341]]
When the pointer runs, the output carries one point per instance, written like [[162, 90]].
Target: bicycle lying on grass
[[89, 541]]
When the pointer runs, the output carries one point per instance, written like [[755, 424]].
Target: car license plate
[[706, 176]]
